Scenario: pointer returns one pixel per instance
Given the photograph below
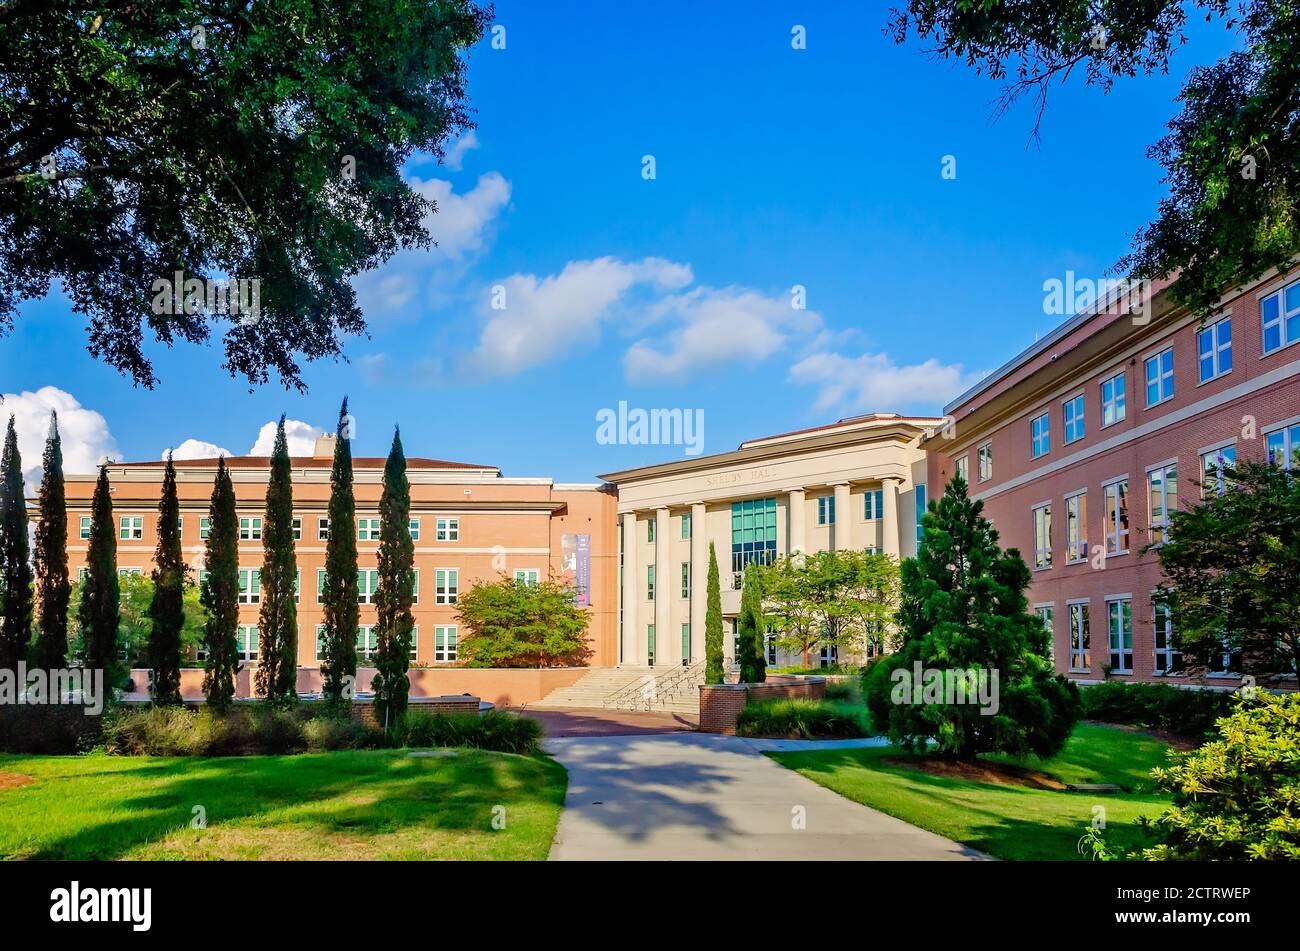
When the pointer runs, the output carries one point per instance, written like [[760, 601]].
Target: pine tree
[[219, 593], [99, 614], [51, 559], [15, 570], [753, 666], [393, 619], [713, 672], [339, 595], [277, 670], [166, 609]]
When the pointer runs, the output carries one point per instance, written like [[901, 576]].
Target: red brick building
[[1080, 444]]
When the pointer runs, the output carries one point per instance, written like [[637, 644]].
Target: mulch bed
[[997, 774], [1178, 741], [14, 780]]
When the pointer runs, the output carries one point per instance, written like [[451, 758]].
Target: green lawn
[[380, 804], [1008, 822]]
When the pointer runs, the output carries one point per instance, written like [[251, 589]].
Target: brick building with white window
[[1081, 444]]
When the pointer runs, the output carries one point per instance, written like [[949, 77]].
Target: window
[[85, 526], [1214, 349], [825, 509], [367, 642], [686, 525], [1169, 659], [297, 528], [320, 585], [753, 535], [920, 511], [83, 573], [686, 581], [650, 530], [250, 586], [1072, 419], [1076, 527], [526, 575], [367, 529], [686, 640], [1280, 315], [1040, 436], [984, 460], [413, 526], [131, 527], [770, 640], [129, 572], [1283, 446], [444, 643], [1046, 614], [650, 644], [873, 505], [297, 585], [650, 582], [323, 529], [1080, 637], [446, 530], [1116, 517], [1227, 661], [205, 528], [415, 642], [367, 585], [246, 642], [1162, 486], [1119, 624], [962, 469], [415, 586], [1212, 465], [250, 529], [320, 642], [446, 585], [1160, 377], [1112, 399], [1043, 536]]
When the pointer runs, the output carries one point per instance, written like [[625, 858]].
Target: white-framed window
[[205, 528], [1279, 315], [367, 642], [1160, 376], [444, 643], [1115, 520], [1227, 661], [367, 585], [250, 529], [650, 582], [686, 526], [984, 459], [247, 642], [1119, 627], [1169, 659], [83, 573], [85, 526], [367, 529], [1040, 435], [320, 642], [686, 579], [1282, 446], [320, 585], [920, 495], [1214, 349], [250, 586], [297, 585], [414, 526], [825, 509], [129, 572], [1112, 399], [1162, 493], [446, 586], [323, 529], [527, 576], [1072, 420], [415, 585], [650, 531], [415, 642], [297, 528], [446, 530], [1076, 527], [1213, 463], [131, 528], [1080, 637], [1042, 535], [1047, 615], [962, 468], [873, 504]]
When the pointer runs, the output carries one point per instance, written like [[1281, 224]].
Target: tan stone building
[[855, 484]]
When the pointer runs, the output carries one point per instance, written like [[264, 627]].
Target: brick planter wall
[[364, 711], [720, 704]]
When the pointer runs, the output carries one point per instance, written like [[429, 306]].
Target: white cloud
[[84, 434], [300, 436], [455, 157], [715, 325], [461, 223], [873, 382], [197, 449], [543, 317]]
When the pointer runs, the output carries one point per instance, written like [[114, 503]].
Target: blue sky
[[774, 167]]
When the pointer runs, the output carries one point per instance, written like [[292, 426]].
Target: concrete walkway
[[699, 796]]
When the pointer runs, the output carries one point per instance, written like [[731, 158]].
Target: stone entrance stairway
[[664, 689]]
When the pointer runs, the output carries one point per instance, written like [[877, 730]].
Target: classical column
[[843, 527], [797, 512], [890, 537], [699, 578], [665, 653], [631, 591]]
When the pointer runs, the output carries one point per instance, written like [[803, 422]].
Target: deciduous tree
[[512, 622]]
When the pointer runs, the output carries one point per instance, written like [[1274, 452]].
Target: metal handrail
[[660, 685]]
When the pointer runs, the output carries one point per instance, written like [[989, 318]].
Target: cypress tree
[[339, 595], [277, 670], [753, 666], [51, 558], [394, 621], [167, 610], [219, 593], [15, 570], [100, 613], [713, 672]]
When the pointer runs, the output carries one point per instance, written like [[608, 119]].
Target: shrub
[[1157, 706], [841, 690], [177, 731], [799, 718], [494, 730], [323, 733], [47, 729]]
